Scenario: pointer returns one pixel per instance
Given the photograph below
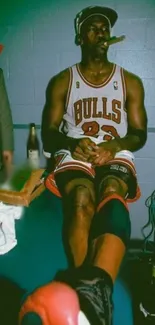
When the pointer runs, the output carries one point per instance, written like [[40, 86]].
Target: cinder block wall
[[39, 42]]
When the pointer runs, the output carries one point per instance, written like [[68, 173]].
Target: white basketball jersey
[[95, 111]]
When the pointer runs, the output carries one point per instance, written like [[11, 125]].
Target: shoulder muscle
[[133, 84]]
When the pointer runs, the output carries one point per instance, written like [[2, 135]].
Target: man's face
[[94, 32]]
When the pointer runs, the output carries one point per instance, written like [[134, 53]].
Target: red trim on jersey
[[51, 185], [93, 85], [74, 166], [124, 87], [69, 88]]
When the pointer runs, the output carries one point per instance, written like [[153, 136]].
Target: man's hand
[[83, 148], [105, 152], [8, 161]]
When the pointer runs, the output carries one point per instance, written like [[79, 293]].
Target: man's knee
[[82, 200], [119, 178], [113, 185]]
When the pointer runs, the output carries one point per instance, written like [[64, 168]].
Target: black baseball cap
[[82, 16]]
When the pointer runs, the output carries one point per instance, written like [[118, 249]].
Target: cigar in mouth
[[114, 40]]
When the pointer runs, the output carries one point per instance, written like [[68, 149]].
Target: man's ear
[[78, 40]]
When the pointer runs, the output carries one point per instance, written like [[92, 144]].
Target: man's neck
[[95, 65]]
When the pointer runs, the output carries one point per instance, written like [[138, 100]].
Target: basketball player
[[93, 120]]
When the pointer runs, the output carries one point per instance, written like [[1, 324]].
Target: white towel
[[8, 215]]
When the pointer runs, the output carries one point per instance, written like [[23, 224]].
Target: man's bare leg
[[109, 234], [79, 208], [108, 249]]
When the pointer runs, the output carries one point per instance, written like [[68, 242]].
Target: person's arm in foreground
[[6, 126]]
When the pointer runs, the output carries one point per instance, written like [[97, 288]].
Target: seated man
[[94, 118]]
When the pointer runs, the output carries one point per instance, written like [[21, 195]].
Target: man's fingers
[[87, 144], [78, 150], [101, 160], [77, 156], [90, 153], [92, 146]]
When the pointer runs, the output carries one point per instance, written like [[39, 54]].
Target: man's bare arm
[[136, 114], [53, 112], [52, 116], [136, 135], [137, 124]]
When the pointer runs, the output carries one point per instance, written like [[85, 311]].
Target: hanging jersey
[[95, 111]]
